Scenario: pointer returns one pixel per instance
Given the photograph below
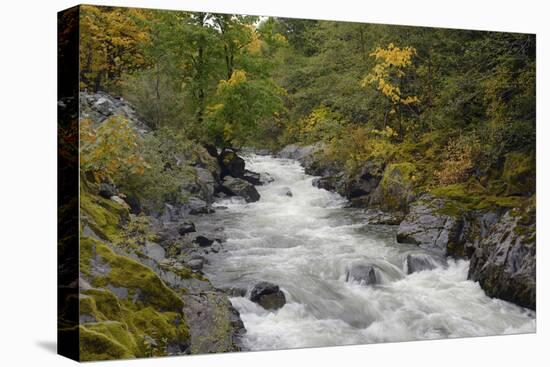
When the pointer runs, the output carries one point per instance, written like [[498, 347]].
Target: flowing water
[[305, 243]]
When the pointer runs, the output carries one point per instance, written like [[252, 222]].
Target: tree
[[110, 44], [388, 76]]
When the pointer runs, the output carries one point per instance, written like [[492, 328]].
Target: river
[[305, 242]]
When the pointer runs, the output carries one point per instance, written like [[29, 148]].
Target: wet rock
[[504, 263], [428, 226], [268, 295], [107, 190], [266, 178], [285, 191], [379, 217], [419, 262], [196, 264], [230, 163], [242, 188], [196, 206], [203, 241], [365, 274], [235, 291], [186, 227], [216, 247], [252, 177], [326, 183]]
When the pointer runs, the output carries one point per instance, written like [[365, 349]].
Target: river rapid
[[305, 242]]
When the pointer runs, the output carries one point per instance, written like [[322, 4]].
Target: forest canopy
[[459, 104]]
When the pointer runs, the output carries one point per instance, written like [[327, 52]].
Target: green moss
[[465, 197], [397, 184], [106, 342], [519, 173], [106, 303], [168, 325], [104, 216], [136, 277]]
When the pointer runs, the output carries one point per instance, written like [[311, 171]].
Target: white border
[[28, 180]]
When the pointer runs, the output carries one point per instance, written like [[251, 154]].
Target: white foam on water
[[305, 243]]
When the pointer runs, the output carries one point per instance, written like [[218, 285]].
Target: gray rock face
[[100, 106], [427, 227], [242, 188], [268, 295], [419, 262], [365, 274], [504, 262], [206, 184]]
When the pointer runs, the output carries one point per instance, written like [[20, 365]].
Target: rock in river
[[419, 262], [242, 188], [268, 295], [364, 274], [230, 163], [186, 227]]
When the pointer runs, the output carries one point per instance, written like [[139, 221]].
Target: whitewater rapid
[[304, 244]]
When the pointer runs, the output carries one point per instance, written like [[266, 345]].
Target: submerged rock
[[252, 177], [419, 262], [365, 274], [286, 191], [203, 241], [242, 188], [504, 262], [268, 295]]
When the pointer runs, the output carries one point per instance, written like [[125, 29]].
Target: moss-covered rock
[[518, 173], [396, 189]]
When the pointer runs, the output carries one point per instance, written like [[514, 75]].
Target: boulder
[[196, 206], [504, 262], [395, 190], [107, 190], [252, 177], [430, 226], [419, 262], [365, 274], [230, 163], [203, 241], [242, 188], [365, 182], [268, 295], [154, 251], [196, 264], [186, 227]]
